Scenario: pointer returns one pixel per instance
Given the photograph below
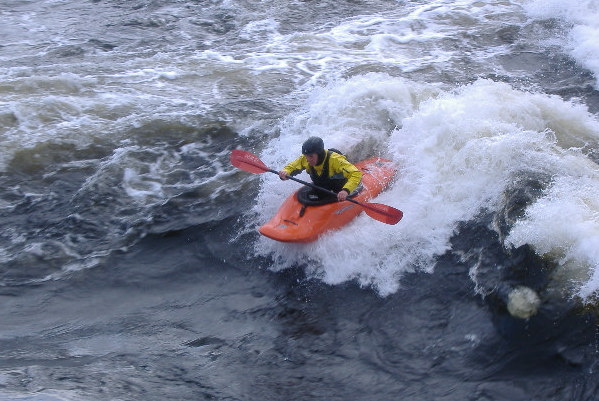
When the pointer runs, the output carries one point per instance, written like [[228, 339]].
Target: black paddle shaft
[[251, 163], [328, 191]]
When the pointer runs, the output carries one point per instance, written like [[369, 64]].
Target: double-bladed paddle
[[251, 163]]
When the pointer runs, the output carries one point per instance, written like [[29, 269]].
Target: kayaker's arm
[[349, 171], [354, 177], [293, 168]]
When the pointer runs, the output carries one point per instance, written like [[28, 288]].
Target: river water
[[130, 263]]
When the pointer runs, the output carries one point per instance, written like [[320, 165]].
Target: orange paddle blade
[[383, 213], [247, 161]]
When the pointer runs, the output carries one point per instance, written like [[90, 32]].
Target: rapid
[[130, 262]]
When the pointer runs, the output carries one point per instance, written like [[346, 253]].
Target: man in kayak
[[328, 169]]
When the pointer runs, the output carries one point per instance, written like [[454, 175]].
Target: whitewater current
[[130, 262]]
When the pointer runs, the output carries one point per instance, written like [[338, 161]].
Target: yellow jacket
[[338, 167]]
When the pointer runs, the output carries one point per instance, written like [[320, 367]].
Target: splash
[[582, 18], [564, 225], [457, 153]]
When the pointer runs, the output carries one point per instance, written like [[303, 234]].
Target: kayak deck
[[295, 222]]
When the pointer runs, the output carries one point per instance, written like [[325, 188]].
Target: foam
[[457, 153], [583, 18], [564, 225]]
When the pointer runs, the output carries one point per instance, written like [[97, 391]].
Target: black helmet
[[313, 144]]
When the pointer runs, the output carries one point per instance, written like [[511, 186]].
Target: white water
[[116, 122], [457, 153], [564, 225], [582, 19], [457, 147]]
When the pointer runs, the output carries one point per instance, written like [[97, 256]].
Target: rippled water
[[130, 264]]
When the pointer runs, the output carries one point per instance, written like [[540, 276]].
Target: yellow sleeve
[[296, 166], [339, 164]]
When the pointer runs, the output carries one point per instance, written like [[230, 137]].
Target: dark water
[[130, 264]]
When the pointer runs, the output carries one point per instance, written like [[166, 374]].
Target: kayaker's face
[[312, 158]]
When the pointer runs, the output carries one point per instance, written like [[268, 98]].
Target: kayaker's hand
[[283, 175], [342, 195]]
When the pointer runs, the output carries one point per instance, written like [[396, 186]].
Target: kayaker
[[328, 168]]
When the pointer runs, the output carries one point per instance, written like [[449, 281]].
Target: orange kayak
[[297, 222]]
